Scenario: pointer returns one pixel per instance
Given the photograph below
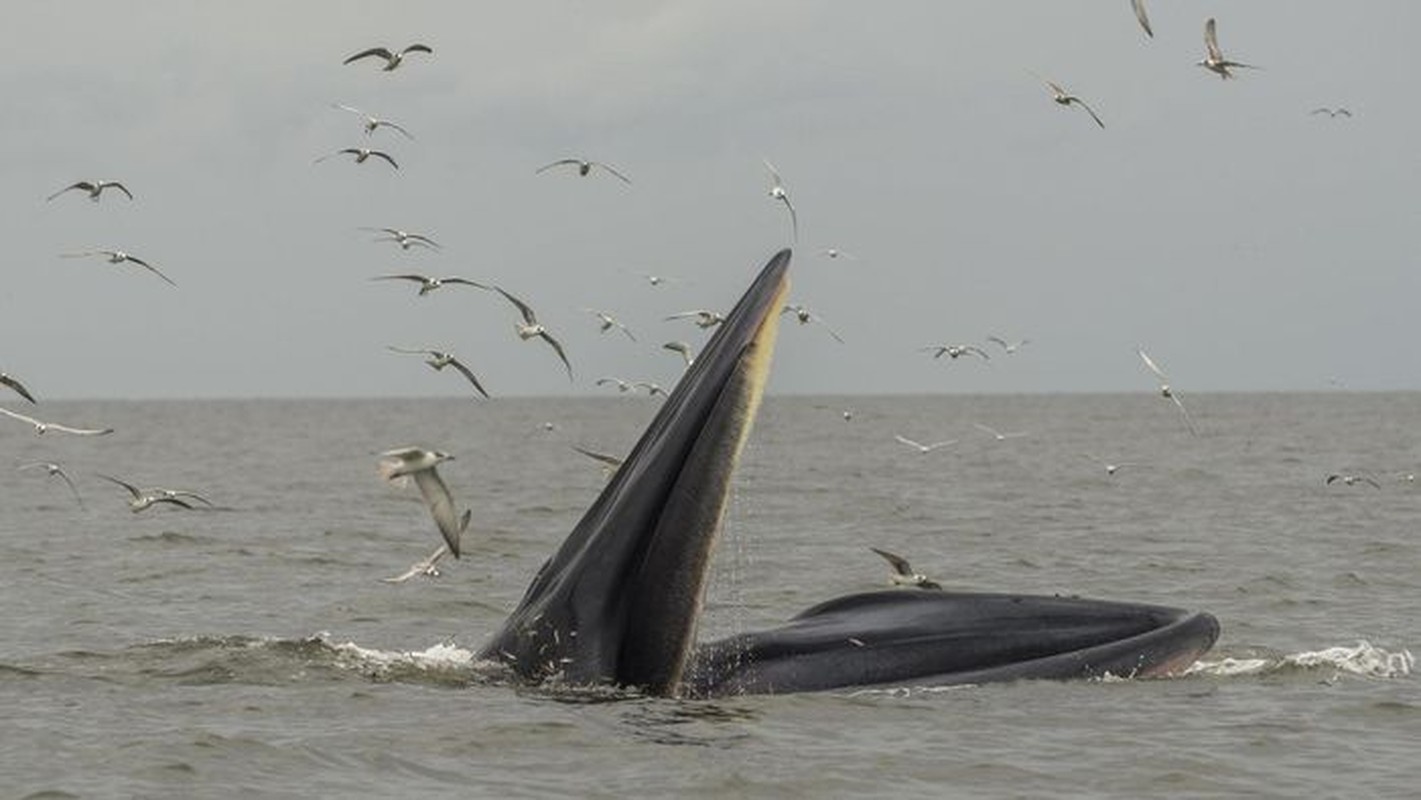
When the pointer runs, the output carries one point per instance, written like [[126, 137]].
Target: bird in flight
[[1110, 467], [704, 318], [530, 328], [438, 360], [805, 316], [94, 188], [42, 427], [119, 257], [372, 123], [583, 167], [1165, 390], [392, 59], [834, 252], [1332, 113], [428, 284], [923, 448], [1214, 60], [1062, 97], [996, 434], [652, 389], [55, 470], [420, 464], [1352, 480], [955, 351], [1008, 347], [141, 499], [607, 322], [361, 154], [777, 191], [18, 388], [622, 386], [903, 574], [1139, 6], [405, 239], [682, 348]]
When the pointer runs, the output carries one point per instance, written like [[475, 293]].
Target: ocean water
[[253, 649]]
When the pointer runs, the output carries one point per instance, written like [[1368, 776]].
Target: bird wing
[[899, 563], [420, 567], [393, 349], [441, 506], [1149, 362], [419, 238], [18, 387], [133, 490], [831, 331], [1343, 112], [409, 276], [1211, 40], [979, 426], [548, 337], [605, 458], [388, 124], [793, 217], [186, 493], [978, 351], [54, 426], [1056, 87], [1188, 421], [774, 173], [351, 109], [907, 441], [467, 373], [464, 282], [624, 178], [385, 156], [173, 500], [140, 262], [558, 163], [523, 308], [120, 187], [1139, 6], [1090, 111], [374, 51], [85, 185], [417, 48], [943, 443], [687, 314]]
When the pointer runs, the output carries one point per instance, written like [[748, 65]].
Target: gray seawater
[[253, 648]]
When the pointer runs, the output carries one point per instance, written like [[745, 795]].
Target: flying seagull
[[94, 188], [996, 434], [607, 322], [14, 384], [361, 154], [1139, 6], [1165, 390], [373, 122], [392, 59], [1352, 480], [583, 167], [704, 319], [1214, 60], [805, 316], [923, 448], [141, 499], [1110, 467], [652, 389], [45, 427], [405, 239], [531, 328], [439, 359], [656, 280], [420, 464], [53, 470], [955, 351], [834, 252], [622, 386], [1061, 96], [1008, 347], [118, 257], [777, 191], [903, 574], [1332, 113], [682, 348], [428, 284]]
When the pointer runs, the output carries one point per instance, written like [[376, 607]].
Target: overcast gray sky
[[1245, 243]]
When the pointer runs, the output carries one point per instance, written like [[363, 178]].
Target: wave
[[1363, 659]]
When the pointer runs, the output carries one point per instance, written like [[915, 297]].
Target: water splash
[[1364, 660]]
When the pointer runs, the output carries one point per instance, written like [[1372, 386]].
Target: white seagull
[[777, 191], [1332, 113], [903, 574], [55, 470], [531, 328], [955, 351], [140, 499], [1352, 480], [361, 154], [1061, 96], [1165, 390], [1110, 467], [94, 188], [996, 434], [428, 284], [704, 319], [438, 360], [834, 252], [583, 167], [392, 59], [622, 386], [420, 464], [45, 427], [14, 384], [1008, 347], [405, 239], [805, 316], [682, 348], [923, 448], [652, 389], [1214, 60], [119, 257], [373, 122], [607, 322]]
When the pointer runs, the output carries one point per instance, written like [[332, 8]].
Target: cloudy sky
[[1247, 244]]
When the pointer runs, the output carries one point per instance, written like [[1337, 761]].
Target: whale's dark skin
[[618, 603]]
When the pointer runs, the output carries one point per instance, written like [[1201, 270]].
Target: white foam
[[1364, 659]]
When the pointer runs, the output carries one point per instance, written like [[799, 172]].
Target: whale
[[618, 603]]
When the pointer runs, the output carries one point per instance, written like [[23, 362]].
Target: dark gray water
[[253, 648]]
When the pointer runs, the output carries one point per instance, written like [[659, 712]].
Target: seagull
[[1110, 468], [607, 322], [373, 122], [361, 153], [583, 167], [834, 252], [1352, 480], [94, 188], [704, 319], [144, 498], [1065, 98], [998, 435], [1008, 347], [428, 284], [682, 348], [652, 389], [438, 360], [19, 388], [530, 328], [405, 239], [777, 191], [1165, 391], [1331, 112], [1214, 61], [392, 60], [118, 257], [903, 574], [420, 464], [53, 469], [923, 448], [656, 280], [622, 386], [45, 427], [1139, 6], [955, 350], [805, 316]]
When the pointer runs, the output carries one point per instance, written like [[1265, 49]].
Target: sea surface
[[253, 649]]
